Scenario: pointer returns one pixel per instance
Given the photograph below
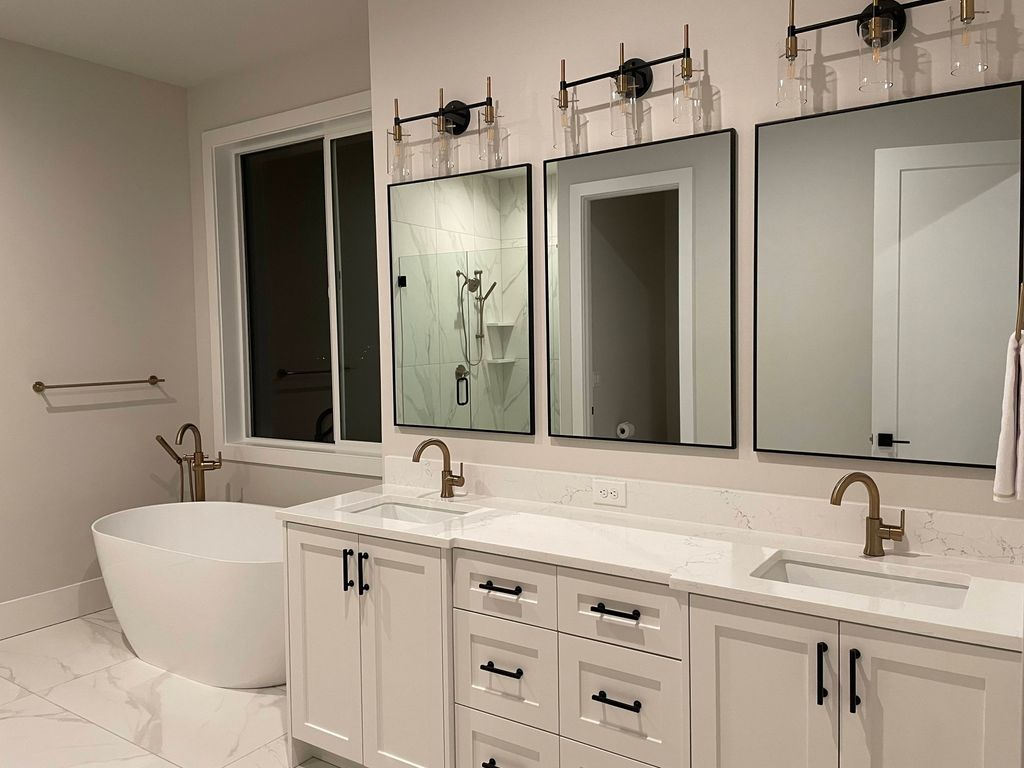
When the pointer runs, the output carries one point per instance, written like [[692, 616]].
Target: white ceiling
[[184, 42]]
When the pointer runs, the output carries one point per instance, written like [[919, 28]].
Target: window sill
[[363, 459]]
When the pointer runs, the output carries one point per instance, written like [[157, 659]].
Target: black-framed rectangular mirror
[[462, 304], [887, 264], [640, 289]]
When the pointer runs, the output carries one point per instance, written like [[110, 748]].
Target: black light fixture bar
[[628, 68], [455, 115], [866, 13], [444, 112]]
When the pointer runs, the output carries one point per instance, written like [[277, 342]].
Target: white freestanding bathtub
[[199, 589]]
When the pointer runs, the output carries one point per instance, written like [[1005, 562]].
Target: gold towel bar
[[41, 387]]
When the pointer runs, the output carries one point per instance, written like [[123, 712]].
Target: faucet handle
[[895, 532], [459, 480]]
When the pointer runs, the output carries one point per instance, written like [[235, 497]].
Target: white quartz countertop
[[701, 559]]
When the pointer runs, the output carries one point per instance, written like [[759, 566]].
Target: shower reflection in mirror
[[640, 300], [460, 260]]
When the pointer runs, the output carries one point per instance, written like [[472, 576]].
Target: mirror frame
[[733, 330], [528, 167], [1019, 84]]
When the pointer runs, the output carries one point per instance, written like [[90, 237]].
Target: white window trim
[[228, 345]]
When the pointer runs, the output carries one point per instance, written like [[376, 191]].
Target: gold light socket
[[875, 30], [792, 48], [489, 114], [442, 123], [967, 12], [563, 93]]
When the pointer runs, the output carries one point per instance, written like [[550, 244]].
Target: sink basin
[[882, 580], [409, 512]]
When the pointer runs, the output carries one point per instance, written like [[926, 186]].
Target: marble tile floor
[[73, 695]]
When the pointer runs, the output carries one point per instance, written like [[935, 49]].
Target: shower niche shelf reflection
[[461, 280]]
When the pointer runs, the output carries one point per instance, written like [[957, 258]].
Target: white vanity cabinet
[[927, 702], [754, 687], [367, 638], [894, 699]]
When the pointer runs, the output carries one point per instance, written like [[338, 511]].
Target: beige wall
[[95, 283], [520, 46], [314, 77]]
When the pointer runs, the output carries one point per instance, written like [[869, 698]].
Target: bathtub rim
[[226, 561]]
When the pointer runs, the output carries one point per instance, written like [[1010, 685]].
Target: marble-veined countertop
[[692, 557]]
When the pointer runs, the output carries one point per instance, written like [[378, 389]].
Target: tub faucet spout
[[197, 461]]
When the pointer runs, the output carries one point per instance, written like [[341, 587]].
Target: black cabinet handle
[[363, 586], [489, 764], [489, 667], [602, 697], [346, 581], [854, 698], [600, 608], [822, 690], [490, 586]]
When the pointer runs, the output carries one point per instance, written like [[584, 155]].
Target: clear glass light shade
[[400, 159], [568, 126], [876, 54], [968, 41], [792, 78], [492, 146], [444, 153], [630, 117], [687, 107]]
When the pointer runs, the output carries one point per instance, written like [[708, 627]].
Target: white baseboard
[[63, 604]]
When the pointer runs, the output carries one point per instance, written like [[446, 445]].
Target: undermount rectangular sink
[[881, 580], [409, 511]]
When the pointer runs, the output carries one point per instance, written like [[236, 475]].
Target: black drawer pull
[[490, 586], [854, 698], [346, 582], [600, 608], [363, 586], [602, 697], [489, 764], [822, 690], [489, 667]]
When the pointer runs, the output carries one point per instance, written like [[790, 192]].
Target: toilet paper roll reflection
[[625, 430]]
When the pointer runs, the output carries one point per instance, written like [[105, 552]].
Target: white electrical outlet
[[610, 493]]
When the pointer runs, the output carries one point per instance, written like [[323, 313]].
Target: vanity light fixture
[[451, 120], [879, 25], [968, 41], [630, 116], [687, 103]]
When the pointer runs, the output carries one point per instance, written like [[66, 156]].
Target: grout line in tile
[[85, 719], [247, 754]]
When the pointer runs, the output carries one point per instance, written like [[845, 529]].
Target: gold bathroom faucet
[[875, 531], [449, 480]]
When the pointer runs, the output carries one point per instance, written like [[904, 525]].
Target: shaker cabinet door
[[323, 639], [754, 687], [404, 707], [927, 702]]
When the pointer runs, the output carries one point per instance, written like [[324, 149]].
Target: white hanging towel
[[1009, 482]]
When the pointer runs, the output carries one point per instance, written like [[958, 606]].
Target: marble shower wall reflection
[[477, 225]]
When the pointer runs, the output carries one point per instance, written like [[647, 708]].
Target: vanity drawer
[[572, 754], [480, 738], [590, 604], [521, 590], [657, 734], [530, 653]]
